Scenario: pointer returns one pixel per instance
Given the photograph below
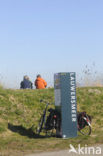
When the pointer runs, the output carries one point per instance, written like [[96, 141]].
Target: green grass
[[21, 109]]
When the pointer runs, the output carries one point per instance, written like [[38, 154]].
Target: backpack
[[81, 122]]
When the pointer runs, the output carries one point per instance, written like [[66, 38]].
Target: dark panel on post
[[65, 101], [68, 105]]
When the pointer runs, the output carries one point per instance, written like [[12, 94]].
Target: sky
[[49, 36]]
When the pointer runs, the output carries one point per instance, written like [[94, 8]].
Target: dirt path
[[66, 153]]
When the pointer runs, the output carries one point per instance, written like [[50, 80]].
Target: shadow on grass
[[25, 132]]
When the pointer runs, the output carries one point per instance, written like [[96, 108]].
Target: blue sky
[[49, 36]]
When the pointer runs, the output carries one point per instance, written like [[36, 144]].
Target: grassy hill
[[20, 109]]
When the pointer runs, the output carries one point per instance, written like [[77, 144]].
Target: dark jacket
[[26, 84]]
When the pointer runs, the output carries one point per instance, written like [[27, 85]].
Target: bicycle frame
[[44, 114]]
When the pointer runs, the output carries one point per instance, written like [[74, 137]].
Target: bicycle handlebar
[[47, 102], [44, 101]]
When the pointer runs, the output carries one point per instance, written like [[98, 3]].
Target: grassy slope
[[21, 109]]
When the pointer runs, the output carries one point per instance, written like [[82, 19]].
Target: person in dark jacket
[[26, 83]]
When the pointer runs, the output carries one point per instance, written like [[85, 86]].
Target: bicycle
[[50, 122], [53, 121], [42, 119]]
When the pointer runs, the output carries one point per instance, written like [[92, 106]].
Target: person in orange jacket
[[40, 83]]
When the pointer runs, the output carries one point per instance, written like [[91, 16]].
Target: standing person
[[40, 83], [26, 83]]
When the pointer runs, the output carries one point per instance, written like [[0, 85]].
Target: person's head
[[26, 77], [38, 75]]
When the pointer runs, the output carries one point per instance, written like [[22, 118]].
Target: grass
[[20, 109]]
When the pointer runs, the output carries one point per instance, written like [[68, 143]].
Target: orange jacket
[[40, 83]]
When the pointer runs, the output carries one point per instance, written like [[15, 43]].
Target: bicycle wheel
[[40, 125], [86, 130]]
